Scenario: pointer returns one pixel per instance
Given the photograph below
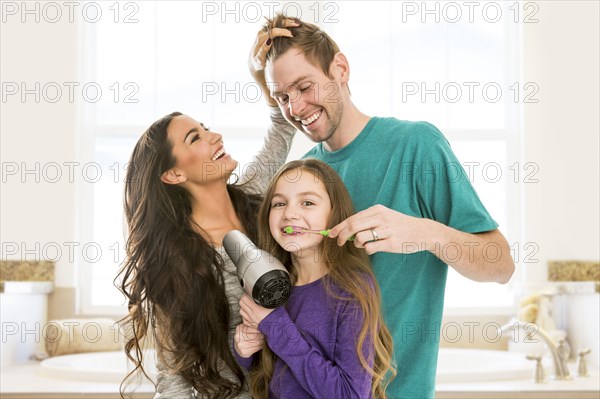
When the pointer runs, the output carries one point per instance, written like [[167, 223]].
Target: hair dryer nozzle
[[262, 276], [234, 242]]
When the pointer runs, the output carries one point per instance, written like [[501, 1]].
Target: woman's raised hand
[[258, 54]]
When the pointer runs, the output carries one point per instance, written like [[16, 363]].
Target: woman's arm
[[279, 139], [258, 173]]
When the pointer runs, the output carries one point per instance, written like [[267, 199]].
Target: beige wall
[[37, 213]]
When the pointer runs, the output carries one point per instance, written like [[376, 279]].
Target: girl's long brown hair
[[172, 277], [349, 269]]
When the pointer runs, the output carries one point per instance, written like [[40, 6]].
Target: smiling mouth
[[292, 230], [311, 119], [219, 154]]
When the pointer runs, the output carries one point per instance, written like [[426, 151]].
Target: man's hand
[[381, 229], [481, 256]]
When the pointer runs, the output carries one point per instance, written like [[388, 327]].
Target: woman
[[182, 288]]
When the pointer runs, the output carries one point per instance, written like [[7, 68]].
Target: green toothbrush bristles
[[324, 233]]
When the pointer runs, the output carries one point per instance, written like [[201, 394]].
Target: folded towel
[[68, 336]]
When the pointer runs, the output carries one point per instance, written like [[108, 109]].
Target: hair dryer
[[261, 275]]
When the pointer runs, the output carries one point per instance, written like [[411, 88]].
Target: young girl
[[329, 340]]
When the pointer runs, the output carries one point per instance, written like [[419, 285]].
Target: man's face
[[308, 99]]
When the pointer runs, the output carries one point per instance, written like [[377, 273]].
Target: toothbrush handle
[[325, 233]]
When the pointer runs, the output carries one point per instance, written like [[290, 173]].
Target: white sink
[[454, 365], [96, 366], [470, 365]]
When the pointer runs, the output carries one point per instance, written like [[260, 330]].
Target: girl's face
[[301, 201], [200, 153]]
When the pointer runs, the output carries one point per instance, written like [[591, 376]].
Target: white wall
[[561, 211], [35, 215], [560, 54]]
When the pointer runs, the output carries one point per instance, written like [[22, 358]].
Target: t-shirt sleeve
[[321, 377], [445, 192]]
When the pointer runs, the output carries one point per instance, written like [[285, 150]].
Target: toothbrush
[[324, 233]]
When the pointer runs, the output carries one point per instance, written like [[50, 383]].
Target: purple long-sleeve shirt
[[314, 337]]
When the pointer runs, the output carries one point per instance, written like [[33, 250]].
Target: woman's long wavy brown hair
[[172, 277], [348, 269]]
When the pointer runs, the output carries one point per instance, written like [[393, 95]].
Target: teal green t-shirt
[[409, 167]]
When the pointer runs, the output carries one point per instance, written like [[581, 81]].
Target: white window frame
[[514, 137], [513, 134]]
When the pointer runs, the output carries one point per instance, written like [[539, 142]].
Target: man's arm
[[480, 256]]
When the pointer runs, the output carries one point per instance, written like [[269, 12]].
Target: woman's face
[[301, 201], [199, 153]]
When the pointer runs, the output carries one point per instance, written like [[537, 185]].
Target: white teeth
[[218, 154], [310, 120]]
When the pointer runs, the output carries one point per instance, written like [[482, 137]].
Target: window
[[428, 61], [460, 74]]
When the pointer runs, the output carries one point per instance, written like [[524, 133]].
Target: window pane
[[171, 59], [451, 74], [485, 163], [372, 70], [123, 65], [109, 227]]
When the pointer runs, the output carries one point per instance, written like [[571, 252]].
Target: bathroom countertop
[[25, 381], [25, 271], [577, 388], [574, 270]]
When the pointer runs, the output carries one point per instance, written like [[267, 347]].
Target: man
[[417, 211]]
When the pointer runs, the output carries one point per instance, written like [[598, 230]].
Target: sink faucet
[[561, 371]]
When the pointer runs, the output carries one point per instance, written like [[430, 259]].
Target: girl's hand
[[252, 314], [258, 54], [248, 340]]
